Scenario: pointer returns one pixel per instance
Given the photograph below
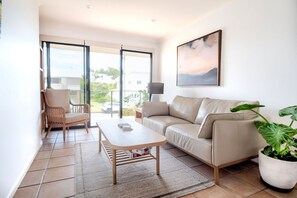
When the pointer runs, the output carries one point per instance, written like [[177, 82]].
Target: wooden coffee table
[[117, 141]]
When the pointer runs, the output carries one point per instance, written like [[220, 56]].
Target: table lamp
[[155, 88]]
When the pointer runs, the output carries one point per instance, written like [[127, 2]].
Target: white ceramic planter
[[278, 173]]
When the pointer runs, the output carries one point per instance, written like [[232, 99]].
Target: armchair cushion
[[154, 108], [206, 128], [76, 117], [58, 98]]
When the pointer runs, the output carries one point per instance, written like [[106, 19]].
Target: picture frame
[[199, 61]]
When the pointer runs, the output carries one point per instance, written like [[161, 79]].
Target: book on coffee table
[[138, 152]]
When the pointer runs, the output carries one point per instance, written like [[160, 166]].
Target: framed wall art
[[199, 61]]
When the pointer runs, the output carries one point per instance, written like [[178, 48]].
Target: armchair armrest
[[55, 114], [234, 140], [79, 108], [154, 108]]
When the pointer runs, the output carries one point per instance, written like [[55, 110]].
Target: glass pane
[[136, 76], [104, 83], [67, 70]]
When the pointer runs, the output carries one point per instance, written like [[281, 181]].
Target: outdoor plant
[[281, 139]]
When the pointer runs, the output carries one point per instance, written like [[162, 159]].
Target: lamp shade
[[155, 88]]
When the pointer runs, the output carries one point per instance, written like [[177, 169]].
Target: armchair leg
[[64, 130], [48, 131], [216, 175], [86, 127]]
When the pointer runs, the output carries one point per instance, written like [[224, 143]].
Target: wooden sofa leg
[[216, 175]]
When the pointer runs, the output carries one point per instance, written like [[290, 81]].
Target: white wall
[[259, 54], [62, 32], [19, 88]]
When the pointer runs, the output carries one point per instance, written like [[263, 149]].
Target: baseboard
[[19, 181]]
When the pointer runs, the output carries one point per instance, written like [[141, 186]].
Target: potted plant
[[278, 160]]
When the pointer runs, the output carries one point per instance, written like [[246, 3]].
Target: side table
[[138, 115]]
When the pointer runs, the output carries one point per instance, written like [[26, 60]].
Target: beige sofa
[[206, 129]]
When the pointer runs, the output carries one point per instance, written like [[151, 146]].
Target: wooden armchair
[[61, 112]]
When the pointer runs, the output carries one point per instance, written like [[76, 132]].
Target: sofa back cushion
[[185, 108], [221, 106], [154, 108]]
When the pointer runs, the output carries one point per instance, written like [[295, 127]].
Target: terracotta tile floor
[[52, 172]]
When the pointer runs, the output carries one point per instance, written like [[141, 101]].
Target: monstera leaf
[[277, 135], [245, 107], [250, 107], [292, 111]]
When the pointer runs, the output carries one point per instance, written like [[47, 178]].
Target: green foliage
[[100, 91], [250, 107], [128, 112], [292, 111], [278, 136], [114, 73], [245, 107], [145, 95], [281, 138], [0, 11], [267, 150], [137, 98]]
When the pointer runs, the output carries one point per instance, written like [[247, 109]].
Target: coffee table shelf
[[121, 156]]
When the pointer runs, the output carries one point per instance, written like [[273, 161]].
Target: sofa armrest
[[205, 130], [154, 108], [234, 140]]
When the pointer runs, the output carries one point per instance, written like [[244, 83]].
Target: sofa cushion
[[154, 108], [185, 108], [205, 130], [76, 117], [185, 136], [58, 98], [160, 123], [221, 106]]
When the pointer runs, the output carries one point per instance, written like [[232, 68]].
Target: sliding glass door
[[136, 67], [112, 81]]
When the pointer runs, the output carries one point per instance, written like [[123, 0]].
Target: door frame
[[122, 50]]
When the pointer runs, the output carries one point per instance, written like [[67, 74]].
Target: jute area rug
[[94, 176]]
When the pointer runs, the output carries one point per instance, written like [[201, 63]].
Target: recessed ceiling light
[[89, 6]]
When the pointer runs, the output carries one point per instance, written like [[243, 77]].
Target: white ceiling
[[150, 18]]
